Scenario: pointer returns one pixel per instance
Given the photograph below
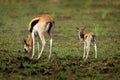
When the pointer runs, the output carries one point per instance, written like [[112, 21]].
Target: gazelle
[[37, 26], [87, 38]]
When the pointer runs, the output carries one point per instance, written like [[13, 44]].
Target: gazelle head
[[81, 30], [27, 47], [80, 33]]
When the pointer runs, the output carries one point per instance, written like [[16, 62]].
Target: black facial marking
[[25, 50], [24, 41]]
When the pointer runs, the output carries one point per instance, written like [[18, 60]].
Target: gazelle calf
[[87, 38], [37, 26]]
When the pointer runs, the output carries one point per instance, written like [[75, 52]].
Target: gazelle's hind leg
[[95, 46], [50, 35], [94, 43], [87, 50], [38, 43], [43, 44]]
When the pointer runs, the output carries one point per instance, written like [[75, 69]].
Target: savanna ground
[[66, 63]]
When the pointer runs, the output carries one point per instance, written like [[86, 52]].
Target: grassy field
[[100, 16]]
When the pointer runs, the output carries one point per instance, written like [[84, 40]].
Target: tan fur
[[88, 35], [42, 18], [29, 40]]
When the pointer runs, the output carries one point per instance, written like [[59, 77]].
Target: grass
[[66, 63]]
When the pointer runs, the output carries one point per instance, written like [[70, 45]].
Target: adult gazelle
[[37, 27]]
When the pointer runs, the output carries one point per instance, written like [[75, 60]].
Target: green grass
[[66, 63]]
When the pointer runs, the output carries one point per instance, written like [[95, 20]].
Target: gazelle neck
[[29, 40], [82, 35]]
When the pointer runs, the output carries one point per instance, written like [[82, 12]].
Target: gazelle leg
[[43, 44], [50, 34], [79, 35], [38, 43], [95, 49], [88, 49], [33, 45], [84, 50]]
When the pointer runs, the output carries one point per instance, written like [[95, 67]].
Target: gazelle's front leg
[[79, 35], [33, 45], [43, 44], [84, 50]]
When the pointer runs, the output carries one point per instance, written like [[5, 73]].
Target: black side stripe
[[33, 24]]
